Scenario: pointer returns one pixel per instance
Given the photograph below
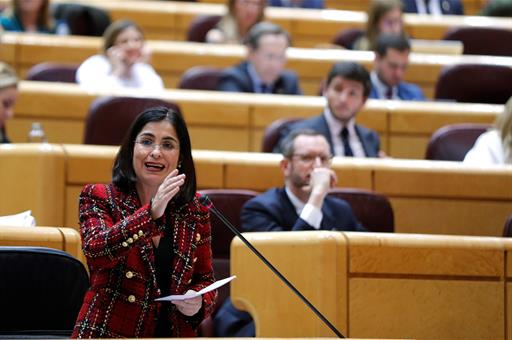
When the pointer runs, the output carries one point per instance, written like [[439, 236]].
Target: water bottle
[[36, 134], [62, 28]]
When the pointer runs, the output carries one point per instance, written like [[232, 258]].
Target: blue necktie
[[346, 146], [265, 88]]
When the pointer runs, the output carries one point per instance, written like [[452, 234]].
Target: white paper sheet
[[23, 219], [215, 285]]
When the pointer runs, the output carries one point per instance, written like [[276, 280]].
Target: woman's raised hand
[[166, 191]]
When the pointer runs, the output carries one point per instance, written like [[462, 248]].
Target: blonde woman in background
[[123, 62], [384, 16], [27, 16], [495, 145], [8, 96], [234, 26]]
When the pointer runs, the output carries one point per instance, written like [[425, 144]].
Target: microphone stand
[[205, 200]]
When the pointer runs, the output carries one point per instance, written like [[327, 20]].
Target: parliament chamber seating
[[507, 229], [372, 209], [475, 83], [482, 40], [273, 132], [41, 292], [229, 203], [200, 26], [82, 19], [53, 72], [347, 37], [109, 118], [200, 78], [452, 142]]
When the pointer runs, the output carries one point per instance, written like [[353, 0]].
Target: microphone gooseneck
[[205, 201]]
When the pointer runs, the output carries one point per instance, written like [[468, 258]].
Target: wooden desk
[[471, 7], [240, 118], [66, 239], [171, 59], [427, 197], [308, 27], [375, 285]]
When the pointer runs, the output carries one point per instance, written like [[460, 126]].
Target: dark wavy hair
[[123, 174]]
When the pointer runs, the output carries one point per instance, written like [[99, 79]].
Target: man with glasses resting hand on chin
[[303, 204]]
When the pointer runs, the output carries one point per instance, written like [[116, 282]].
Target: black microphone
[[205, 201]]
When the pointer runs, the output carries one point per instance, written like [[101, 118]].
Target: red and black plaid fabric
[[117, 236]]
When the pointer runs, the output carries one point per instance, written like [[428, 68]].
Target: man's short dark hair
[[352, 71], [287, 144], [385, 41], [263, 28]]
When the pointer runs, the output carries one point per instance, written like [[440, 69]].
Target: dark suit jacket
[[318, 4], [369, 138], [453, 7], [237, 79], [273, 211], [406, 91], [3, 136]]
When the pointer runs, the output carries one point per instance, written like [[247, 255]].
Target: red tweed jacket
[[117, 235]]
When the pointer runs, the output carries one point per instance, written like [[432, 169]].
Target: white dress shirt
[[308, 212], [335, 127], [434, 7], [488, 149], [96, 73]]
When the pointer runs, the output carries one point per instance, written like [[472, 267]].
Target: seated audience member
[[234, 26], [389, 66], [303, 204], [123, 63], [27, 16], [263, 70], [8, 95], [347, 88], [497, 8], [384, 16], [435, 7], [318, 4], [495, 145]]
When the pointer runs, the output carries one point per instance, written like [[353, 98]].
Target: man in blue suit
[[389, 67], [436, 7], [346, 90], [316, 4], [303, 204], [263, 70]]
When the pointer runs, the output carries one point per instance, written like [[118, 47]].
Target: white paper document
[[215, 285], [23, 219]]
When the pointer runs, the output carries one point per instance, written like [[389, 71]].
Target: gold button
[[198, 237], [129, 275], [130, 240], [141, 233], [189, 281], [131, 298], [124, 244], [135, 237], [194, 260]]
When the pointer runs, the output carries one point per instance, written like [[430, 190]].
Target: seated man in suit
[[303, 204], [263, 70], [347, 88], [389, 66], [436, 7]]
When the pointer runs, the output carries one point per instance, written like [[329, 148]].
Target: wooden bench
[[170, 20], [171, 59], [471, 7], [373, 285], [66, 239], [427, 196], [404, 127]]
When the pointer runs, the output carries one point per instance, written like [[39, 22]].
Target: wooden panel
[[426, 309], [425, 255], [56, 130], [89, 163], [73, 244], [71, 214], [31, 236], [450, 216], [435, 181], [32, 178], [209, 169], [276, 310]]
